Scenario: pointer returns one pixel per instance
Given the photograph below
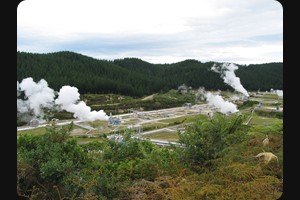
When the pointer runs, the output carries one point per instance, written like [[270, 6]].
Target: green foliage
[[63, 115], [247, 104], [135, 77], [49, 158], [159, 101], [218, 162], [268, 113], [130, 148], [275, 127], [20, 122], [154, 165], [261, 76], [205, 139]]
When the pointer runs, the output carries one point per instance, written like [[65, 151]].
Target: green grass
[[35, 131], [271, 96], [184, 119], [269, 113], [258, 120], [98, 123], [42, 130], [153, 126], [131, 121], [101, 132], [168, 136]]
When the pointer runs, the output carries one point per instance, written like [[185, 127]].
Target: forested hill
[[135, 77]]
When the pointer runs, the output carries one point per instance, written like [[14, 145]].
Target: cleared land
[[163, 124]]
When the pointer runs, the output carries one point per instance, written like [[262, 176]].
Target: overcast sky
[[157, 31]]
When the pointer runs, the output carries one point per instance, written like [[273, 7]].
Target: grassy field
[[167, 136], [265, 121], [42, 130], [184, 119], [36, 131]]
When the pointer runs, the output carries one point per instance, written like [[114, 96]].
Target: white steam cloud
[[215, 100], [227, 73], [224, 106], [38, 96], [68, 100], [279, 93]]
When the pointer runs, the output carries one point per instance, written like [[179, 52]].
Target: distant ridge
[[135, 77]]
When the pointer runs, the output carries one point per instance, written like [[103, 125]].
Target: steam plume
[[279, 93], [224, 106], [217, 101], [227, 73], [68, 100], [38, 96]]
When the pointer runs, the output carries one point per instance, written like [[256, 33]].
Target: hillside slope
[[135, 77]]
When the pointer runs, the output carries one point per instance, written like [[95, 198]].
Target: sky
[[156, 31]]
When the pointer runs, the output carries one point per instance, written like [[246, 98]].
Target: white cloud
[[171, 29]]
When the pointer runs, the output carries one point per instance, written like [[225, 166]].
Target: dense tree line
[[135, 77], [262, 76]]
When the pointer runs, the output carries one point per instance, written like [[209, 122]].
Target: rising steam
[[34, 97], [217, 101], [279, 93], [227, 73], [68, 99]]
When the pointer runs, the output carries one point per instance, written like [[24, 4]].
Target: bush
[[206, 139]]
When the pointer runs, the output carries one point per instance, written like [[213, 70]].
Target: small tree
[[45, 161], [205, 139]]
